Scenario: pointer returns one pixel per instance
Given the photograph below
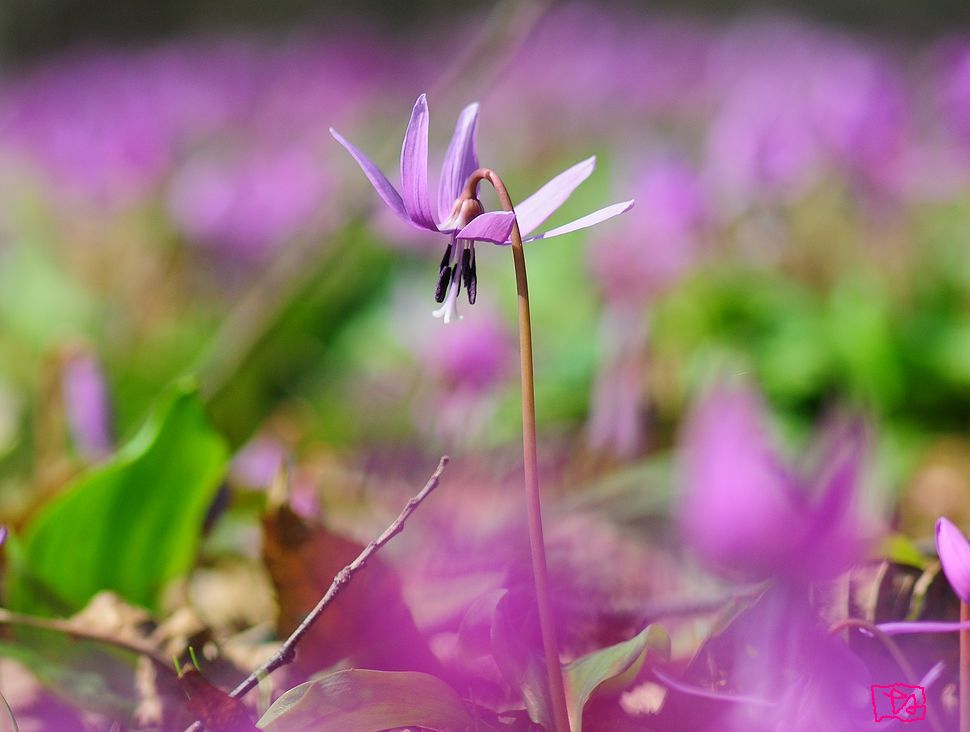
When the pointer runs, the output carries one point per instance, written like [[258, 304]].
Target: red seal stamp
[[899, 703]]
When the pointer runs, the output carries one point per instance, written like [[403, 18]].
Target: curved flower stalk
[[462, 218]]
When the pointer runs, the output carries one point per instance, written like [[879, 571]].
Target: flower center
[[455, 268]]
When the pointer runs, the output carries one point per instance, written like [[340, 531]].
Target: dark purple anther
[[444, 277], [471, 274], [445, 260]]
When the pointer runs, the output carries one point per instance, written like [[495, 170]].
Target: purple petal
[[461, 161], [540, 205], [414, 167], [954, 553], [585, 222], [922, 627], [494, 227], [736, 508], [377, 179]]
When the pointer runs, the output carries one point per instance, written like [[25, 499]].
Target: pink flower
[[463, 220]]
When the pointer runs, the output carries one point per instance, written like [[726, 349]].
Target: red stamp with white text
[[899, 703]]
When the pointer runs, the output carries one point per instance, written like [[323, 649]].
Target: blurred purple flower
[[249, 205], [859, 107], [762, 141], [615, 422], [87, 405], [657, 243], [746, 513], [466, 367], [954, 89], [464, 220]]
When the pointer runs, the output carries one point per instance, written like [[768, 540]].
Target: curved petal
[[585, 222], [414, 167], [377, 179], [461, 160], [954, 553], [543, 203], [494, 227]]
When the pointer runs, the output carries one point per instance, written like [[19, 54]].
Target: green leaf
[[358, 700], [85, 674], [610, 669], [129, 525], [900, 549]]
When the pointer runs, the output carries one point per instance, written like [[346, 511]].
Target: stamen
[[446, 260], [471, 277], [444, 277], [449, 310]]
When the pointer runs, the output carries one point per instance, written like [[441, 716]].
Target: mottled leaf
[[357, 700]]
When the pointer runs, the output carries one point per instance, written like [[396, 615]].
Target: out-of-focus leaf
[[367, 622], [129, 525], [284, 330], [98, 675], [209, 704], [474, 632], [900, 549], [88, 675], [357, 700], [860, 325], [610, 670], [516, 645]]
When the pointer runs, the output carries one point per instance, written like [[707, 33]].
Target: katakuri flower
[[463, 219]]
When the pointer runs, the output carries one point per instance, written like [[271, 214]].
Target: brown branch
[[287, 651]]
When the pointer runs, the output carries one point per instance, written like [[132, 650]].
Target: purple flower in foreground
[[87, 405], [954, 553], [464, 220], [747, 513]]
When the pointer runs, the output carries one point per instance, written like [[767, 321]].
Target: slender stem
[[540, 572], [964, 669]]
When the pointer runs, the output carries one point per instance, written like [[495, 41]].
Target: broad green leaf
[[358, 700], [129, 525], [610, 669], [272, 344]]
